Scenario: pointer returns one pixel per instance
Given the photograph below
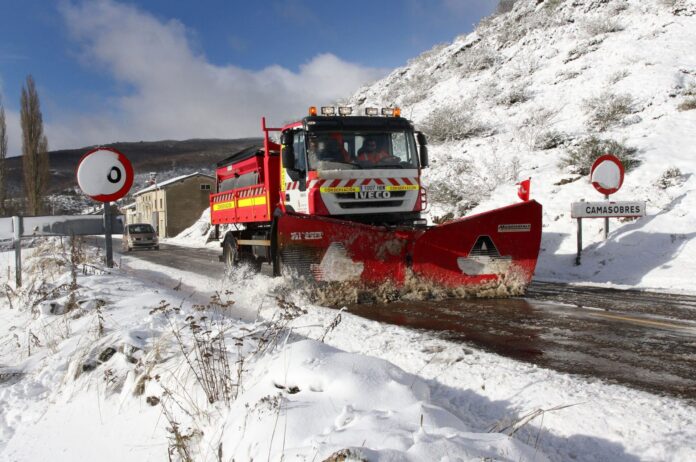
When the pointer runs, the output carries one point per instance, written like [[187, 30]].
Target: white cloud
[[176, 92]]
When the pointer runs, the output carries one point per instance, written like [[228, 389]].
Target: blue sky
[[116, 71]]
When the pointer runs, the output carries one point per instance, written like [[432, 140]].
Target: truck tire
[[230, 254]]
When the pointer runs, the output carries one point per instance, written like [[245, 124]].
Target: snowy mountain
[[542, 90]]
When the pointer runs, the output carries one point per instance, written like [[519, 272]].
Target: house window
[[161, 203], [205, 187]]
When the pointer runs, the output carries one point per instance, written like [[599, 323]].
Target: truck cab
[[358, 168]]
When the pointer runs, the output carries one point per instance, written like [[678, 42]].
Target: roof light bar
[[328, 110], [391, 111], [345, 110], [312, 110], [371, 111]]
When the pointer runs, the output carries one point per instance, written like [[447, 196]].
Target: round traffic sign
[[104, 174], [607, 174]]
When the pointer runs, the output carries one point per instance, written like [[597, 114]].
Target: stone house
[[173, 205]]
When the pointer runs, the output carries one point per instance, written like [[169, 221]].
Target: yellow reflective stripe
[[340, 189], [251, 201], [403, 187], [223, 206], [350, 189]]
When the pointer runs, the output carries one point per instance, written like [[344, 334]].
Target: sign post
[[606, 222], [17, 238], [577, 257], [606, 176], [107, 235], [105, 175]]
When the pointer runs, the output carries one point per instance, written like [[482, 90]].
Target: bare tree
[[3, 155], [34, 148]]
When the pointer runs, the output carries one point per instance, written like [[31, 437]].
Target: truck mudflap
[[501, 244]]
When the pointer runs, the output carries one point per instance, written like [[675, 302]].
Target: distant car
[[139, 235]]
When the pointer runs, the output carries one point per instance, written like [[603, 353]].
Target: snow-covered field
[[109, 380]]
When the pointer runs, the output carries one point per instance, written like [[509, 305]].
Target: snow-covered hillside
[[551, 80]]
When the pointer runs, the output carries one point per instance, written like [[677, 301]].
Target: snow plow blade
[[501, 244], [469, 252]]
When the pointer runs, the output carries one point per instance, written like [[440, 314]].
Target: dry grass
[[688, 104]]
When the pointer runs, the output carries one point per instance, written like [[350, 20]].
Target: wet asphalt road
[[200, 261], [643, 340]]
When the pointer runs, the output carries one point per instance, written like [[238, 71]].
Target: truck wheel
[[230, 254]]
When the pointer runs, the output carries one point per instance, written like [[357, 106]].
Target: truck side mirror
[[423, 148], [288, 155]]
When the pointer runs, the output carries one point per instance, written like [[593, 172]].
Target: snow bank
[[122, 365], [311, 400]]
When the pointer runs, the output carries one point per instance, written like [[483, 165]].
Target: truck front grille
[[351, 196], [367, 204]]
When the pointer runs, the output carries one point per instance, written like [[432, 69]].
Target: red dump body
[[257, 196]]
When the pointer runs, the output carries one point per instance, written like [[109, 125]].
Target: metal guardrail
[[58, 225], [17, 228]]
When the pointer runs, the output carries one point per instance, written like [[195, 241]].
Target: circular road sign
[[104, 174], [607, 174]]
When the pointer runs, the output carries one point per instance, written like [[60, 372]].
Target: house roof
[[165, 184]]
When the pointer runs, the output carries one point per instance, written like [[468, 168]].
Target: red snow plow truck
[[340, 199]]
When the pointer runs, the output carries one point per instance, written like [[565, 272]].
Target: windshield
[[140, 229], [360, 150]]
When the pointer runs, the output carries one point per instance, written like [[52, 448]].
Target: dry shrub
[[478, 58], [602, 25], [516, 95], [580, 159], [608, 109], [673, 176], [451, 123], [688, 104]]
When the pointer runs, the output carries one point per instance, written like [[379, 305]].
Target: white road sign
[[607, 209]]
